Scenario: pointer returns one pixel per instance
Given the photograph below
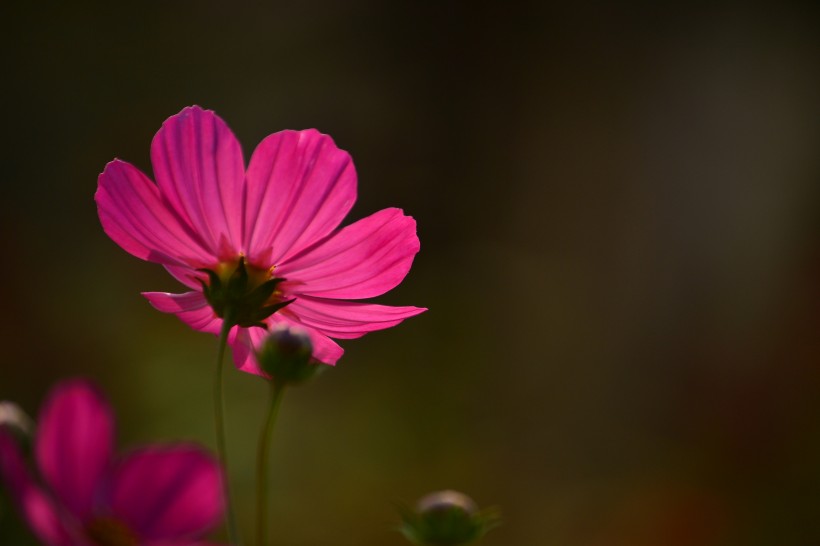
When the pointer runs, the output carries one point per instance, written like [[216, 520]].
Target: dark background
[[619, 210]]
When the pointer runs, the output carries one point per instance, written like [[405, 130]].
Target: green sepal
[[234, 297], [215, 283], [446, 525], [271, 309], [261, 293], [257, 325], [238, 282], [248, 317]]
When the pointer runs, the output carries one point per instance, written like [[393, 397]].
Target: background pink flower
[[280, 217], [156, 496]]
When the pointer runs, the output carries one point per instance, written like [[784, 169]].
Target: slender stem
[[262, 486], [219, 422]]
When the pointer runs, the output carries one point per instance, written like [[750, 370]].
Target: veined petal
[[134, 215], [300, 186], [243, 343], [325, 350], [362, 260], [168, 492], [42, 516], [75, 438], [199, 169], [247, 340], [191, 307], [348, 320], [186, 275]]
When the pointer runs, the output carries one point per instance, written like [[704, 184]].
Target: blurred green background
[[619, 210]]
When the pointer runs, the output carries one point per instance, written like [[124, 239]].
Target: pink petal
[[247, 340], [325, 350], [74, 443], [300, 186], [171, 492], [347, 320], [243, 344], [134, 215], [363, 260], [186, 275], [191, 307], [42, 516], [199, 169]]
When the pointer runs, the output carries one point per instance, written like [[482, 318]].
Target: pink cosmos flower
[[208, 220], [156, 496]]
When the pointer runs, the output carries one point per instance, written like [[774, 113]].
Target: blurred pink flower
[[156, 496], [280, 217]]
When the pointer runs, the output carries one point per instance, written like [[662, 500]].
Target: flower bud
[[285, 355], [16, 422], [445, 500], [446, 518]]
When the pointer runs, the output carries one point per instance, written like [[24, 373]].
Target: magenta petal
[[243, 344], [199, 169], [325, 350], [172, 492], [13, 469], [134, 215], [247, 340], [191, 307], [300, 187], [347, 320], [41, 514], [186, 275], [74, 443], [363, 260]]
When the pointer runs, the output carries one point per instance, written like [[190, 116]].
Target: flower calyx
[[240, 298]]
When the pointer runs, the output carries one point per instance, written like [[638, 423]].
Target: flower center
[[242, 294], [107, 531]]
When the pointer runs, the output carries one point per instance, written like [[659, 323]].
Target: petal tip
[[77, 386]]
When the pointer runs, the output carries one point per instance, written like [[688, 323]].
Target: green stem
[[262, 486], [219, 422]]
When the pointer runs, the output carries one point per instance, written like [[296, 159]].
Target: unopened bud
[[286, 354], [446, 500], [18, 424], [446, 518]]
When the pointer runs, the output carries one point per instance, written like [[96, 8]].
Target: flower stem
[[219, 422], [262, 486]]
